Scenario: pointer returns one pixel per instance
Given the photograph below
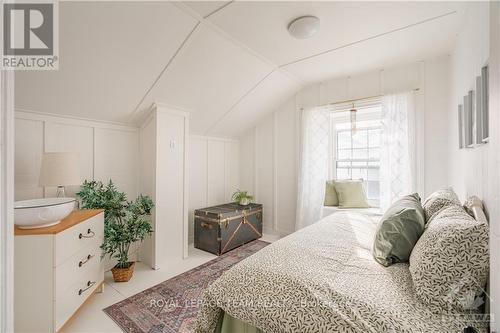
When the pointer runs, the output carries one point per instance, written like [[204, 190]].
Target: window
[[357, 155]]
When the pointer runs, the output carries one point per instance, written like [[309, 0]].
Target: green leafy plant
[[125, 222], [240, 196]]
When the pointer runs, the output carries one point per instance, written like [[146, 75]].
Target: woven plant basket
[[123, 274]]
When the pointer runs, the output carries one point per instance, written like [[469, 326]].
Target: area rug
[[172, 306]]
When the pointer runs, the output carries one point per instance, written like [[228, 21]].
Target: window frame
[[334, 147]]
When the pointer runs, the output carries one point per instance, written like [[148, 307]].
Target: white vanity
[[56, 269]]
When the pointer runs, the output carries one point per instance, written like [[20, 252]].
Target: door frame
[[7, 201]]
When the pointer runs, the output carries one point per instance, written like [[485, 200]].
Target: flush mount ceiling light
[[304, 27]]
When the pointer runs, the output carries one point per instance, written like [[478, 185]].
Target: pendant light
[[353, 119]]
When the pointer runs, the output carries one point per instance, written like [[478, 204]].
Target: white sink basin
[[38, 213]]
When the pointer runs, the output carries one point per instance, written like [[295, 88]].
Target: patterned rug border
[[127, 325]]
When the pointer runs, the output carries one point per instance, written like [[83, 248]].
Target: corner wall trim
[[179, 49], [420, 133], [255, 164], [185, 174], [66, 120], [275, 170], [7, 201], [248, 92]]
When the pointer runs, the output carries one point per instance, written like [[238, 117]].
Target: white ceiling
[[271, 92], [207, 77], [263, 25], [110, 54], [205, 8], [227, 63], [400, 47]]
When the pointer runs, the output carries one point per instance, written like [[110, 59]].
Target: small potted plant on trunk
[[125, 222], [242, 197]]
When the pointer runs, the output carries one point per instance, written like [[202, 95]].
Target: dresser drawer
[[69, 300], [70, 271], [70, 241], [47, 272]]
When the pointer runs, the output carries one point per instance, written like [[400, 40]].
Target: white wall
[[7, 201], [275, 140], [214, 173], [106, 151], [468, 166], [171, 197], [164, 175], [247, 162], [492, 197], [475, 171], [147, 179], [287, 139], [436, 138], [265, 170], [109, 151]]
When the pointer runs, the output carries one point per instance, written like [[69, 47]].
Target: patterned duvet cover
[[323, 278]]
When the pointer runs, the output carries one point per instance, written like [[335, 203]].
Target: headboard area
[[474, 206]]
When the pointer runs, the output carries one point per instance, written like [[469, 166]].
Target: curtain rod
[[357, 99]]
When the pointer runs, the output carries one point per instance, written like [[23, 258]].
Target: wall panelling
[[214, 173], [106, 151]]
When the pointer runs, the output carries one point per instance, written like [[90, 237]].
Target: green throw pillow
[[351, 194], [399, 230], [331, 198]]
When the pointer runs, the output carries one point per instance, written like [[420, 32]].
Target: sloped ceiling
[[227, 63]]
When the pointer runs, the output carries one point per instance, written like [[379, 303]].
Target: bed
[[322, 278], [329, 210]]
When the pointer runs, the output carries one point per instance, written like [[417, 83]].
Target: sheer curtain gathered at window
[[397, 154], [313, 166]]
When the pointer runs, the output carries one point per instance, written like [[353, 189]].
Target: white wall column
[[164, 175], [7, 201]]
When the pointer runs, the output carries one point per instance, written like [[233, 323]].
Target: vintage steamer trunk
[[222, 228]]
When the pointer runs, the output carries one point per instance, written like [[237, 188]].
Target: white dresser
[[56, 269]]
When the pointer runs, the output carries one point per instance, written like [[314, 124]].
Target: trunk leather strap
[[211, 219]]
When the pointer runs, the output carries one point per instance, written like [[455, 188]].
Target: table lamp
[[60, 169]]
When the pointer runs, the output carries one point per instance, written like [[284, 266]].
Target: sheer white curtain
[[313, 166], [397, 153]]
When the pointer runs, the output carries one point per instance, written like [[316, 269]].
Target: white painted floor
[[91, 319]]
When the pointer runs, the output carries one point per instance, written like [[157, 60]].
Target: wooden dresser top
[[72, 219]]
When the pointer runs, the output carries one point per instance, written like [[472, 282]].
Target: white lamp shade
[[60, 169]]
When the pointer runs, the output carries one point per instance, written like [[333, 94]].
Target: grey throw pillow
[[399, 230], [449, 265]]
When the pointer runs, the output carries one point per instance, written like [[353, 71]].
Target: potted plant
[[242, 197], [125, 222]]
